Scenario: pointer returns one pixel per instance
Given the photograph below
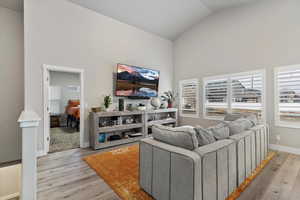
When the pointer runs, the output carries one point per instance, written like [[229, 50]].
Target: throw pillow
[[253, 119], [184, 136], [204, 136], [220, 131]]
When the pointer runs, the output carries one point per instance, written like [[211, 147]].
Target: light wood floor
[[64, 175]]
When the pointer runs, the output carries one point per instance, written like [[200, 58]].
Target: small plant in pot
[[170, 97], [107, 102]]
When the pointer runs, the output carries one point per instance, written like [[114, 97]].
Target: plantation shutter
[[189, 97], [288, 92], [216, 97], [246, 93]]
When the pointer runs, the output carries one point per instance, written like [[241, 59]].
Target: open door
[[46, 110]]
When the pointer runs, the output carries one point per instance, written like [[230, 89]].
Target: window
[[234, 93], [247, 93], [287, 96], [189, 97], [216, 97]]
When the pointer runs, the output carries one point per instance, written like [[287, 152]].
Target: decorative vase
[[170, 104], [155, 102], [164, 104]]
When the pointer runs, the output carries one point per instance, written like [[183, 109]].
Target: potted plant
[[170, 97], [107, 101]]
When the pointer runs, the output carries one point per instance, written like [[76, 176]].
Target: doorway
[[63, 108]]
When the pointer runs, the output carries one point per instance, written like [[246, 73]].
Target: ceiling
[[16, 5], [167, 18]]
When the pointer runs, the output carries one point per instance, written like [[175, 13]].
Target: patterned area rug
[[119, 169], [62, 139]]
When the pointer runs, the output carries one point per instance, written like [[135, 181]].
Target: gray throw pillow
[[204, 136], [253, 119], [220, 131], [184, 136]]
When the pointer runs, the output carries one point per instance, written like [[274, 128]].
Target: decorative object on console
[[170, 97], [141, 107], [129, 107], [164, 104], [96, 109], [155, 102], [107, 101], [121, 105], [102, 137]]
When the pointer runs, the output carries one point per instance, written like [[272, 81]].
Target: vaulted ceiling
[[167, 18]]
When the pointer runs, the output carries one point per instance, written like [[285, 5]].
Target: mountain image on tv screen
[[136, 81]]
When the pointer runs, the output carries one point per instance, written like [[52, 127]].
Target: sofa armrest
[[261, 133], [169, 172], [219, 175]]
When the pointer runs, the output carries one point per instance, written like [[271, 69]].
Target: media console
[[115, 128]]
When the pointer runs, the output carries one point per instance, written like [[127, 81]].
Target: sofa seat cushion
[[184, 136]]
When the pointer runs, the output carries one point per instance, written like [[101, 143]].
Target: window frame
[[278, 122], [181, 82], [229, 92]]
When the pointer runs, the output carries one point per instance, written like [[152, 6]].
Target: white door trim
[[46, 70]]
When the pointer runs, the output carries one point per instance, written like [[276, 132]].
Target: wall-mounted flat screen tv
[[133, 81]]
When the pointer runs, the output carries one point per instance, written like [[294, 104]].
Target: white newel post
[[29, 121]]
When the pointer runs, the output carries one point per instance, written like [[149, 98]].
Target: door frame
[[46, 90]]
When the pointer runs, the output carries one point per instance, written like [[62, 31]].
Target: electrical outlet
[[278, 138]]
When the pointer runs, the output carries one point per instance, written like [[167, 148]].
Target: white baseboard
[[285, 149], [86, 145], [10, 196]]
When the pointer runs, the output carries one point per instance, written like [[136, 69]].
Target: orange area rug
[[120, 170]]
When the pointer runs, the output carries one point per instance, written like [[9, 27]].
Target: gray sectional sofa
[[170, 170]]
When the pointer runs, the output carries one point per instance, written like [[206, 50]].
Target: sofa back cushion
[[239, 125], [235, 116], [184, 136]]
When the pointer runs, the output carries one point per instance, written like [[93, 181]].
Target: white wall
[[58, 32], [10, 181], [11, 83], [255, 36], [63, 81]]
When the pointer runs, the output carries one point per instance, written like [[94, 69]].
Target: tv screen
[[133, 81]]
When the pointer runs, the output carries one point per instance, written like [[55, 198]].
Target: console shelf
[[115, 128]]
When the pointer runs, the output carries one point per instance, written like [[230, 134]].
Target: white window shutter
[[287, 82], [189, 97], [247, 93], [216, 98], [234, 93]]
